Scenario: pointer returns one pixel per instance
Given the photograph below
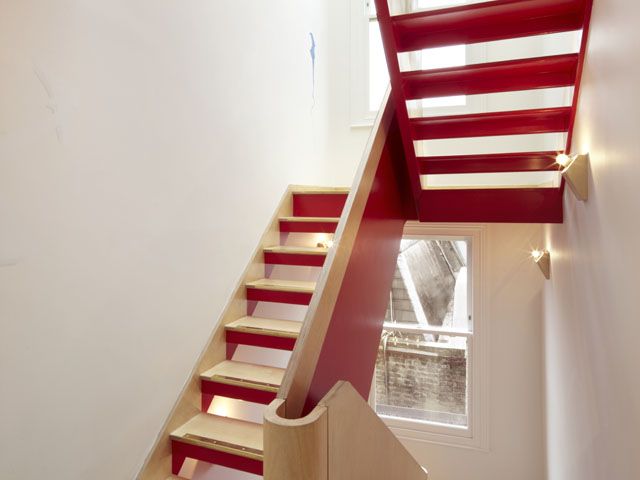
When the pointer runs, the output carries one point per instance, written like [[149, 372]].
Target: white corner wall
[[515, 424], [591, 303], [144, 145]]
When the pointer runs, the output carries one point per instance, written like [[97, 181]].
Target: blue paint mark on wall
[[312, 52]]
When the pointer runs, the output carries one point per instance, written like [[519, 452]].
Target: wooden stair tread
[[223, 434], [282, 285], [297, 250], [266, 326], [302, 190], [260, 377], [311, 219]]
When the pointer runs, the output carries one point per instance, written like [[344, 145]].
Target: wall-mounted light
[[575, 170], [325, 244], [543, 260]]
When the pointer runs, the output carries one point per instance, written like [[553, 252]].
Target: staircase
[[232, 442], [317, 425], [486, 21]]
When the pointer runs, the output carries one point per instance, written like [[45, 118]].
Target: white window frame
[[360, 115], [475, 435]]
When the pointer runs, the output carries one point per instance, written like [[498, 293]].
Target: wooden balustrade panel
[[351, 343], [341, 439], [342, 327]]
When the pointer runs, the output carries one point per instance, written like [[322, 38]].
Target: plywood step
[[309, 224], [485, 22], [263, 332], [520, 122], [248, 375], [319, 201], [219, 440], [243, 381], [301, 256], [280, 291]]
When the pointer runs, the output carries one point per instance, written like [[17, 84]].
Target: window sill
[[423, 433]]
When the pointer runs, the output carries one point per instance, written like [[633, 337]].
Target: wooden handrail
[[342, 327], [341, 439]]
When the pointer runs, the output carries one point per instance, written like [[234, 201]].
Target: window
[[428, 381], [369, 74]]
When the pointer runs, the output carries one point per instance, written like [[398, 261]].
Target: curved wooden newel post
[[295, 448], [341, 439]]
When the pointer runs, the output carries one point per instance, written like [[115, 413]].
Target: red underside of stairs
[[468, 24]]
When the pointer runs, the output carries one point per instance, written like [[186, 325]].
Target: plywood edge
[[158, 461], [295, 448], [312, 189], [360, 444], [301, 369], [341, 439]]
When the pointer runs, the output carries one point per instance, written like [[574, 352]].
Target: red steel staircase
[[487, 21]]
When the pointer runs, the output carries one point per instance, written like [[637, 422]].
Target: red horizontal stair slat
[[278, 296], [528, 74], [488, 21], [260, 340], [318, 204], [523, 205], [180, 450], [519, 122], [491, 163], [299, 259], [211, 387], [287, 226]]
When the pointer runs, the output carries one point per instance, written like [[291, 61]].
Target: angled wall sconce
[[575, 170], [543, 260]]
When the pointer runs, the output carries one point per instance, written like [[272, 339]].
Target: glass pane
[[371, 8], [422, 377], [431, 4], [378, 74], [431, 285], [444, 57]]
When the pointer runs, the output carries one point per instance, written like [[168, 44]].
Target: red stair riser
[[258, 340], [529, 205], [276, 296], [298, 259], [180, 451], [492, 163], [209, 387], [318, 204], [307, 227], [488, 21], [521, 122], [529, 74]]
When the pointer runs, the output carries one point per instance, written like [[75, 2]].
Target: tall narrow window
[[369, 74], [427, 358], [378, 73]]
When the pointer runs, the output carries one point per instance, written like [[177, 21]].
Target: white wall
[[591, 302], [341, 142], [143, 146], [515, 422]]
